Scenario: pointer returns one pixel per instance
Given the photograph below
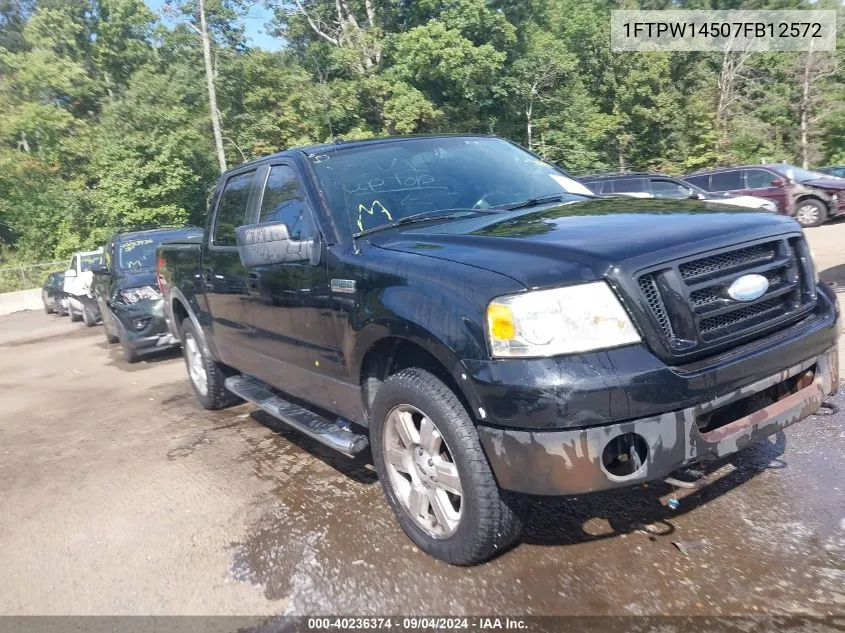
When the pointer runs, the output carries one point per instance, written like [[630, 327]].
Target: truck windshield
[[137, 254], [379, 184], [796, 173], [89, 261]]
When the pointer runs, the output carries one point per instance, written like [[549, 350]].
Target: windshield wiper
[[535, 202], [440, 214]]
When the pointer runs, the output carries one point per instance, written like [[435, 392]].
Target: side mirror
[[777, 182], [270, 243], [100, 269], [70, 273], [694, 195]]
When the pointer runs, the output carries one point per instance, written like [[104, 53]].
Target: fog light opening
[[624, 454], [141, 323]]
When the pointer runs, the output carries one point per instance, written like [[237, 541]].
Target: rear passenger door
[[758, 182], [224, 277]]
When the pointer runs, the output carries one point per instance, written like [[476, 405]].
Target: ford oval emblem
[[748, 288]]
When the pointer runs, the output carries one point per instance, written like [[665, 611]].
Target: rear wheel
[[47, 308], [206, 374], [434, 473], [810, 212]]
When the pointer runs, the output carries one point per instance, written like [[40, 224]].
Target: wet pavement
[[119, 494]]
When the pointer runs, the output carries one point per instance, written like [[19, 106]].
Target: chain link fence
[[27, 276]]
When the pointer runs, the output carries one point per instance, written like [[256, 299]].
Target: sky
[[253, 22]]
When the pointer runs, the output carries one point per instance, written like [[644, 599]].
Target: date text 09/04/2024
[[418, 623]]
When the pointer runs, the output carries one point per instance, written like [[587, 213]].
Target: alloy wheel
[[807, 214], [422, 471], [196, 365]]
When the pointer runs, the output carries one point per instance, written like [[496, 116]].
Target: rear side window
[[284, 200], [726, 181], [758, 178], [669, 189], [702, 182], [231, 210], [630, 185], [593, 185]]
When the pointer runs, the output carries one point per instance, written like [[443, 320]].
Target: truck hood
[[137, 278], [583, 241], [832, 183]]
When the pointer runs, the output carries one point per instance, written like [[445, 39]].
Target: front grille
[[648, 286], [727, 261], [739, 318], [688, 302]]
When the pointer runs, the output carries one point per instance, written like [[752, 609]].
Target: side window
[[107, 255], [758, 179], [630, 185], [669, 189], [702, 182], [284, 201], [726, 181], [73, 263], [593, 185], [231, 211]]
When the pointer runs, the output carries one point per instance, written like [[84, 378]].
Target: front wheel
[[74, 315], [434, 473], [88, 316], [810, 212]]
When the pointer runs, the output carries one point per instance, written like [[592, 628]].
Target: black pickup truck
[[490, 330]]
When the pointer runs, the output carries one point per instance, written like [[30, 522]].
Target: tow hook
[[692, 480]]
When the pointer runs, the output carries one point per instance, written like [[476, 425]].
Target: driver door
[[291, 302]]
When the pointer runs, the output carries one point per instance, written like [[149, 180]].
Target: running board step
[[329, 432]]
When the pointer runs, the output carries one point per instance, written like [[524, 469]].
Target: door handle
[[207, 275]]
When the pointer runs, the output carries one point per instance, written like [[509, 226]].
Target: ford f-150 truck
[[490, 330]]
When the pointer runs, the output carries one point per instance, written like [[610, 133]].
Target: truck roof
[[174, 230], [339, 144]]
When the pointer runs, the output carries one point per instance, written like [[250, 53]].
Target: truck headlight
[[558, 321], [134, 295]]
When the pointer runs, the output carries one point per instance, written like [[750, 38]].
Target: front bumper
[[144, 325], [575, 461]]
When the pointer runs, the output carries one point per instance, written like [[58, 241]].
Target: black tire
[[129, 353], [48, 309], [216, 395], [490, 518], [88, 317], [74, 315], [810, 212], [111, 339]]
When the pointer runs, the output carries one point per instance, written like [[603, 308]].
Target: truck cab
[[82, 305], [492, 331]]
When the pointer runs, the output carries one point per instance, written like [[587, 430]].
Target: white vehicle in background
[[78, 277]]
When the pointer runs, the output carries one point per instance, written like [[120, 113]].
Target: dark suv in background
[[654, 185], [128, 293], [808, 196]]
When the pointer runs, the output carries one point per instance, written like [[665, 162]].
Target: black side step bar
[[329, 432]]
